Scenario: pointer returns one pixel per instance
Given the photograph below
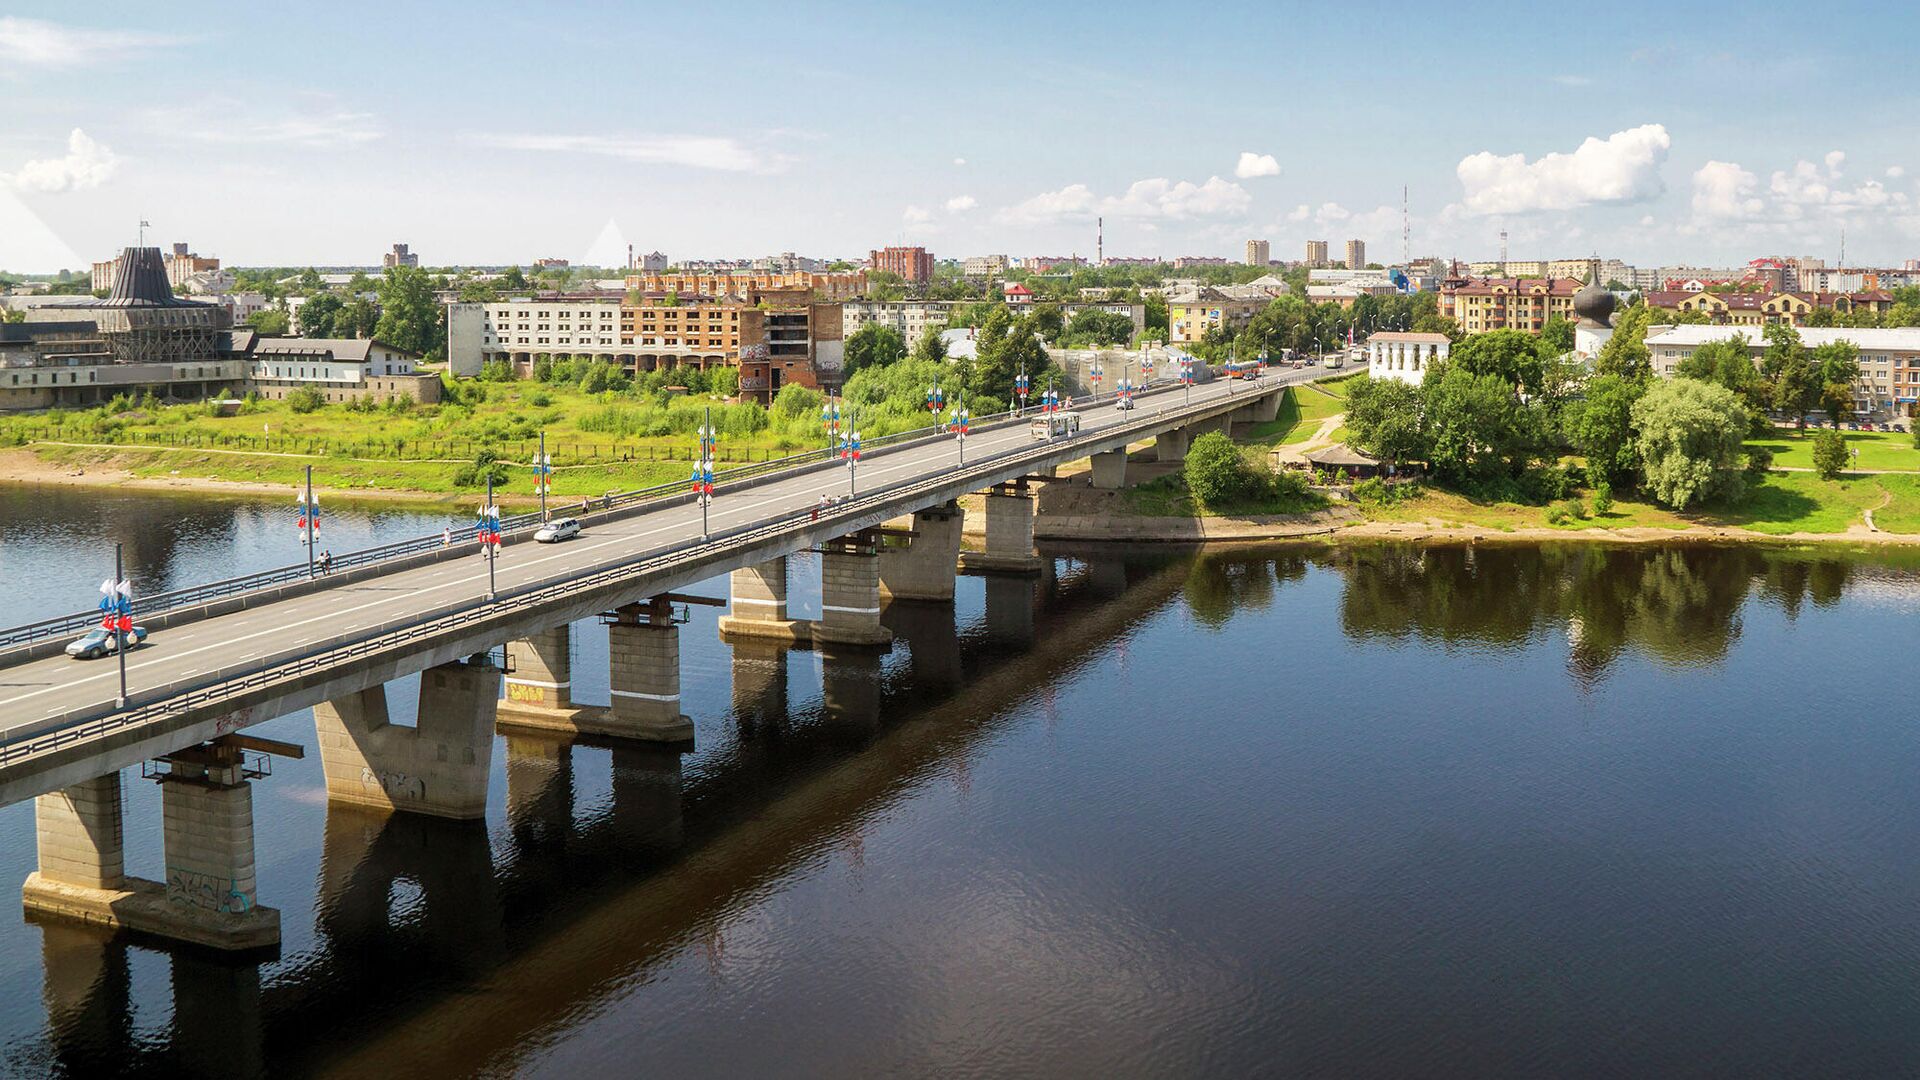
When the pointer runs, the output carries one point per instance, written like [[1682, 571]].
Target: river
[[1380, 810]]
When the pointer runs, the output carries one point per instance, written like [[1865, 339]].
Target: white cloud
[[1160, 197], [1722, 189], [717, 152], [1252, 165], [1835, 159], [87, 164], [323, 127], [1622, 168], [1072, 201], [959, 161], [1895, 172], [40, 44], [960, 204], [916, 215]]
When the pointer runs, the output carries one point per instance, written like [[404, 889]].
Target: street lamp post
[[830, 420], [309, 519], [935, 398], [703, 471], [488, 533], [117, 603], [850, 449], [543, 475], [957, 422]]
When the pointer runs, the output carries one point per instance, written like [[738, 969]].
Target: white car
[[555, 531], [1125, 404], [98, 642]]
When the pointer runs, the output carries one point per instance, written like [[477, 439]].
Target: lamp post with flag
[[1095, 372], [543, 475], [487, 531], [309, 519], [850, 450], [957, 423], [1021, 385], [703, 470], [936, 397], [116, 615], [830, 420], [1186, 376]]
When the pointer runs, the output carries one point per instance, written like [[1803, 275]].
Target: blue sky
[[488, 133]]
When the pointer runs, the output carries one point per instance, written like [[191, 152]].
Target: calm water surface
[[1384, 811]]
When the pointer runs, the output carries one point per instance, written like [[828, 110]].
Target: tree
[[1690, 436], [513, 280], [479, 292], [1829, 452], [1729, 363], [409, 316], [1625, 351], [1215, 471], [1048, 321], [1601, 426], [319, 314], [1383, 418], [270, 322], [931, 346], [13, 315], [1476, 428], [1557, 335], [874, 345], [1838, 363], [1096, 327], [1001, 358], [1512, 356], [1156, 316], [309, 282]]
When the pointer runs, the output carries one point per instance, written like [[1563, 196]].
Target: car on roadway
[[557, 530], [101, 642], [1125, 404]]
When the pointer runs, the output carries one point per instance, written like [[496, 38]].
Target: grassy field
[[1302, 408], [1877, 449], [1168, 496]]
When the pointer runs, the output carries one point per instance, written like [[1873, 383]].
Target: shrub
[[1759, 460], [485, 464], [1216, 472], [540, 399], [1557, 515], [1602, 497], [1576, 508], [306, 399], [1829, 453]]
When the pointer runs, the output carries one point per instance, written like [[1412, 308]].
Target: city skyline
[[569, 133]]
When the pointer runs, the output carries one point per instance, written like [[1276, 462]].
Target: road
[[33, 691]]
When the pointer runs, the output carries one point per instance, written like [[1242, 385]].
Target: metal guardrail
[[224, 683]]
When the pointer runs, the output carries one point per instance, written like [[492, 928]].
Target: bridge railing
[[222, 684], [511, 526]]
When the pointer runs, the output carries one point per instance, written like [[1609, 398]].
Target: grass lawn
[[1301, 411], [1167, 496], [1878, 449]]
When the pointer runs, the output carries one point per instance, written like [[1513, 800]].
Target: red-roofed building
[[1482, 304], [1016, 294]]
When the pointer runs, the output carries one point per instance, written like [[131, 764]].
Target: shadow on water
[[442, 948]]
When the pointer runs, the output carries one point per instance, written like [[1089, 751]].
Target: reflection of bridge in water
[[412, 908]]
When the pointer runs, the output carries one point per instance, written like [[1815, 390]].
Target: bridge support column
[[644, 653], [437, 767], [759, 596], [1267, 409], [209, 895], [923, 569], [542, 679], [1009, 534], [1110, 470], [850, 592], [1171, 446]]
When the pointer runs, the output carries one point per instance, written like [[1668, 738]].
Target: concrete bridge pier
[[1171, 446], [933, 641], [759, 605], [437, 767], [1110, 470], [209, 896], [643, 646], [1009, 533], [1267, 409], [759, 685], [922, 569], [1010, 610], [540, 689], [850, 592]]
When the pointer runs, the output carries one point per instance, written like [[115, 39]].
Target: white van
[[1055, 425]]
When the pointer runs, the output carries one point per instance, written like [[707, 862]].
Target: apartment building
[[1481, 304], [178, 262], [1765, 309], [1191, 313], [399, 256], [913, 264], [982, 267], [1356, 254], [1316, 253], [1257, 253], [822, 285], [1889, 382]]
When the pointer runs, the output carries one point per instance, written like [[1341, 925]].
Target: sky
[[483, 133]]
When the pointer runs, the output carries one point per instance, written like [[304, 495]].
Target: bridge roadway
[[58, 719]]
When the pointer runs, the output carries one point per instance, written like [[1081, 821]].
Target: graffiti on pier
[[207, 892], [398, 786]]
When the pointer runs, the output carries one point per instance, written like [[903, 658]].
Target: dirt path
[[1885, 498]]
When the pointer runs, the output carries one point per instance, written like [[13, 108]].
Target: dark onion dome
[[1594, 303]]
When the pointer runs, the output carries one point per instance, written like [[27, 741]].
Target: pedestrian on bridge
[[446, 537]]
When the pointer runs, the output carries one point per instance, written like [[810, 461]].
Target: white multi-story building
[[980, 267], [1404, 355], [1889, 382], [576, 327]]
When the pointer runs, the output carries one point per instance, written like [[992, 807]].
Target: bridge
[[223, 659]]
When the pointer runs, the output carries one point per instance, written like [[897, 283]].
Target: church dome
[[1594, 303]]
